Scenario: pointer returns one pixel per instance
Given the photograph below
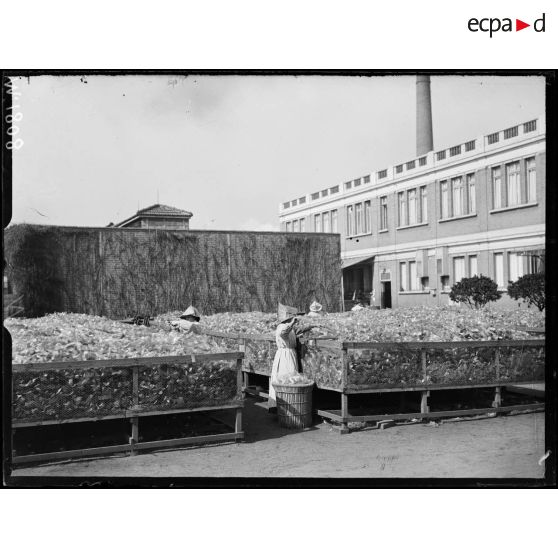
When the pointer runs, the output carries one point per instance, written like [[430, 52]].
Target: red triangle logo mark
[[519, 25]]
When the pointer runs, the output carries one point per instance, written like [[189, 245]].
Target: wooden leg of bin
[[134, 438], [238, 421], [497, 397], [424, 408], [344, 429]]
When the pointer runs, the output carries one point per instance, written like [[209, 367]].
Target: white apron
[[285, 363]]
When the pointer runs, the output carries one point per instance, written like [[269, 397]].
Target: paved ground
[[502, 447]]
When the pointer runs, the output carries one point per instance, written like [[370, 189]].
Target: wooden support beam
[[344, 405], [239, 377], [497, 362], [70, 454], [336, 415], [344, 429], [134, 438], [186, 441], [497, 397], [238, 421], [424, 408]]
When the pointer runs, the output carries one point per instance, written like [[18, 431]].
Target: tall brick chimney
[[425, 142]]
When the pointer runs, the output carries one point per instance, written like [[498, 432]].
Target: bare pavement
[[499, 447]]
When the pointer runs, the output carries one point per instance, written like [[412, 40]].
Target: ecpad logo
[[494, 24]]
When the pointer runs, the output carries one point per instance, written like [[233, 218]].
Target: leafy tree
[[475, 291], [530, 288]]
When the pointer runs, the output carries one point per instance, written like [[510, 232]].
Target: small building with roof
[[157, 216]]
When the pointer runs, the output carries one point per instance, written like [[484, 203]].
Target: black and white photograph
[[275, 277]]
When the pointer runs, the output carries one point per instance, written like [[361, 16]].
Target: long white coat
[[285, 363]]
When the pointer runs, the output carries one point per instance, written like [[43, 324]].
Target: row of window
[[323, 222], [467, 266], [518, 265], [457, 199], [326, 221], [298, 225]]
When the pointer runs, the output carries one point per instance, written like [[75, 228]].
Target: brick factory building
[[412, 230]]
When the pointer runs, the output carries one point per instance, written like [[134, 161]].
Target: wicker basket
[[294, 405]]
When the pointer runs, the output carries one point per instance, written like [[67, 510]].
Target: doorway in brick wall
[[385, 299]]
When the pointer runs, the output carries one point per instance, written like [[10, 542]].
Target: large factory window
[[367, 217], [458, 269], [423, 205], [515, 263], [358, 218], [471, 193], [334, 221], [531, 193], [350, 220], [473, 266], [317, 223], [457, 196], [444, 199], [325, 222], [383, 213], [512, 183], [413, 277], [499, 270], [496, 188], [408, 277], [402, 204], [412, 201], [403, 279]]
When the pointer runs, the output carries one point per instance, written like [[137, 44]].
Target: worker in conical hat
[[315, 309], [188, 321], [285, 363], [191, 314]]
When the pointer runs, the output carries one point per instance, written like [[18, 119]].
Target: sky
[[230, 149]]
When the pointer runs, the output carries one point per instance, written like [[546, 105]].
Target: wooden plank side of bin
[[382, 388], [382, 346], [148, 413], [18, 423], [159, 444], [337, 416], [123, 362], [69, 454]]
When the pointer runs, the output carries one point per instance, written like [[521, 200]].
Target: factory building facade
[[410, 231]]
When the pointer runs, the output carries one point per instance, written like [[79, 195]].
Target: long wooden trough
[[423, 367], [97, 390], [351, 368]]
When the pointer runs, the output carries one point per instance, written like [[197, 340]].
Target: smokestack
[[425, 142]]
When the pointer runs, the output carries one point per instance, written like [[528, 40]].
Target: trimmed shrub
[[475, 291], [530, 288]]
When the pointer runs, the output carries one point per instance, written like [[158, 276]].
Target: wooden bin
[[294, 405]]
